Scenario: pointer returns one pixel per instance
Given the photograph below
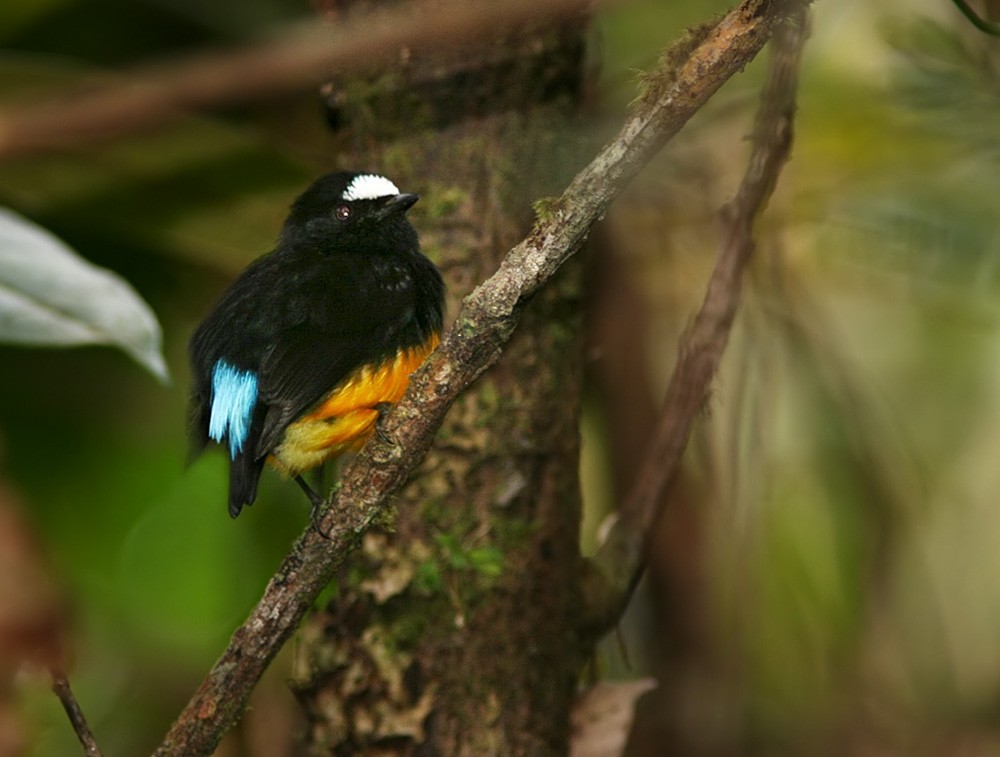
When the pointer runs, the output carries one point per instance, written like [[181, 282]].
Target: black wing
[[240, 329], [237, 330]]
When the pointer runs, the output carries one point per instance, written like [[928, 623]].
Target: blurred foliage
[[845, 472]]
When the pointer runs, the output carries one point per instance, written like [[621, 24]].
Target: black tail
[[244, 475]]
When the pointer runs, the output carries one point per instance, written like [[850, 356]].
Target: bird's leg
[[310, 492], [319, 478], [317, 502]]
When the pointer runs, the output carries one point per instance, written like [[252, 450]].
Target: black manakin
[[298, 356]]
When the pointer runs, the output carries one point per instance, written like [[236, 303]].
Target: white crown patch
[[369, 186]]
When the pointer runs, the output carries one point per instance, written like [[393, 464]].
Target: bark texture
[[451, 631]]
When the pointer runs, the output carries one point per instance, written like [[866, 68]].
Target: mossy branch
[[483, 325]]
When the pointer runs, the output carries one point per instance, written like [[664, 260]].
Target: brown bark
[[451, 630]]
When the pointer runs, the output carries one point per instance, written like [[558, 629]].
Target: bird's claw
[[382, 408], [316, 516]]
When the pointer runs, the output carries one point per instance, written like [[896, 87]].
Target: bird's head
[[349, 212]]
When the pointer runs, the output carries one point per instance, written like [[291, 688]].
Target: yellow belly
[[346, 417]]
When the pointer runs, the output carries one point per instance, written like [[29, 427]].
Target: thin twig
[[60, 685], [298, 59], [984, 25], [620, 560], [483, 325]]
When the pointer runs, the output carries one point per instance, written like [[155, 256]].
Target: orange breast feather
[[346, 417]]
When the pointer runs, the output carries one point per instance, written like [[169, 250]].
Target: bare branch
[[690, 75], [984, 25], [60, 685], [620, 560], [300, 58]]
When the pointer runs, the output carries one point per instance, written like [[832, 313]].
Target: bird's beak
[[398, 204]]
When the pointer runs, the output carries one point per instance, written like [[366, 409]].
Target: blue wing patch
[[234, 394]]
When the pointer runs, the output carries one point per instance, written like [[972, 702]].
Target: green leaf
[[51, 296]]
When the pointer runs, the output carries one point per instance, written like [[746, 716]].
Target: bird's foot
[[382, 408], [315, 515]]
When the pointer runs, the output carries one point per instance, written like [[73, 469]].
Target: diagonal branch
[[691, 73], [620, 561], [60, 685]]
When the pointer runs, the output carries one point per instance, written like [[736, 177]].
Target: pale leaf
[[51, 296]]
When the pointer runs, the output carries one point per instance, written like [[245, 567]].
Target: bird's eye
[[343, 212]]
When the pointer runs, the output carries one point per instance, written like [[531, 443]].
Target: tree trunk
[[451, 631]]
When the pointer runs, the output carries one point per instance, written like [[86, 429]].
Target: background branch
[[300, 58], [690, 73], [60, 685], [984, 25], [621, 558]]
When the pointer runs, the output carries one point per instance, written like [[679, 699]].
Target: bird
[[298, 358]]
